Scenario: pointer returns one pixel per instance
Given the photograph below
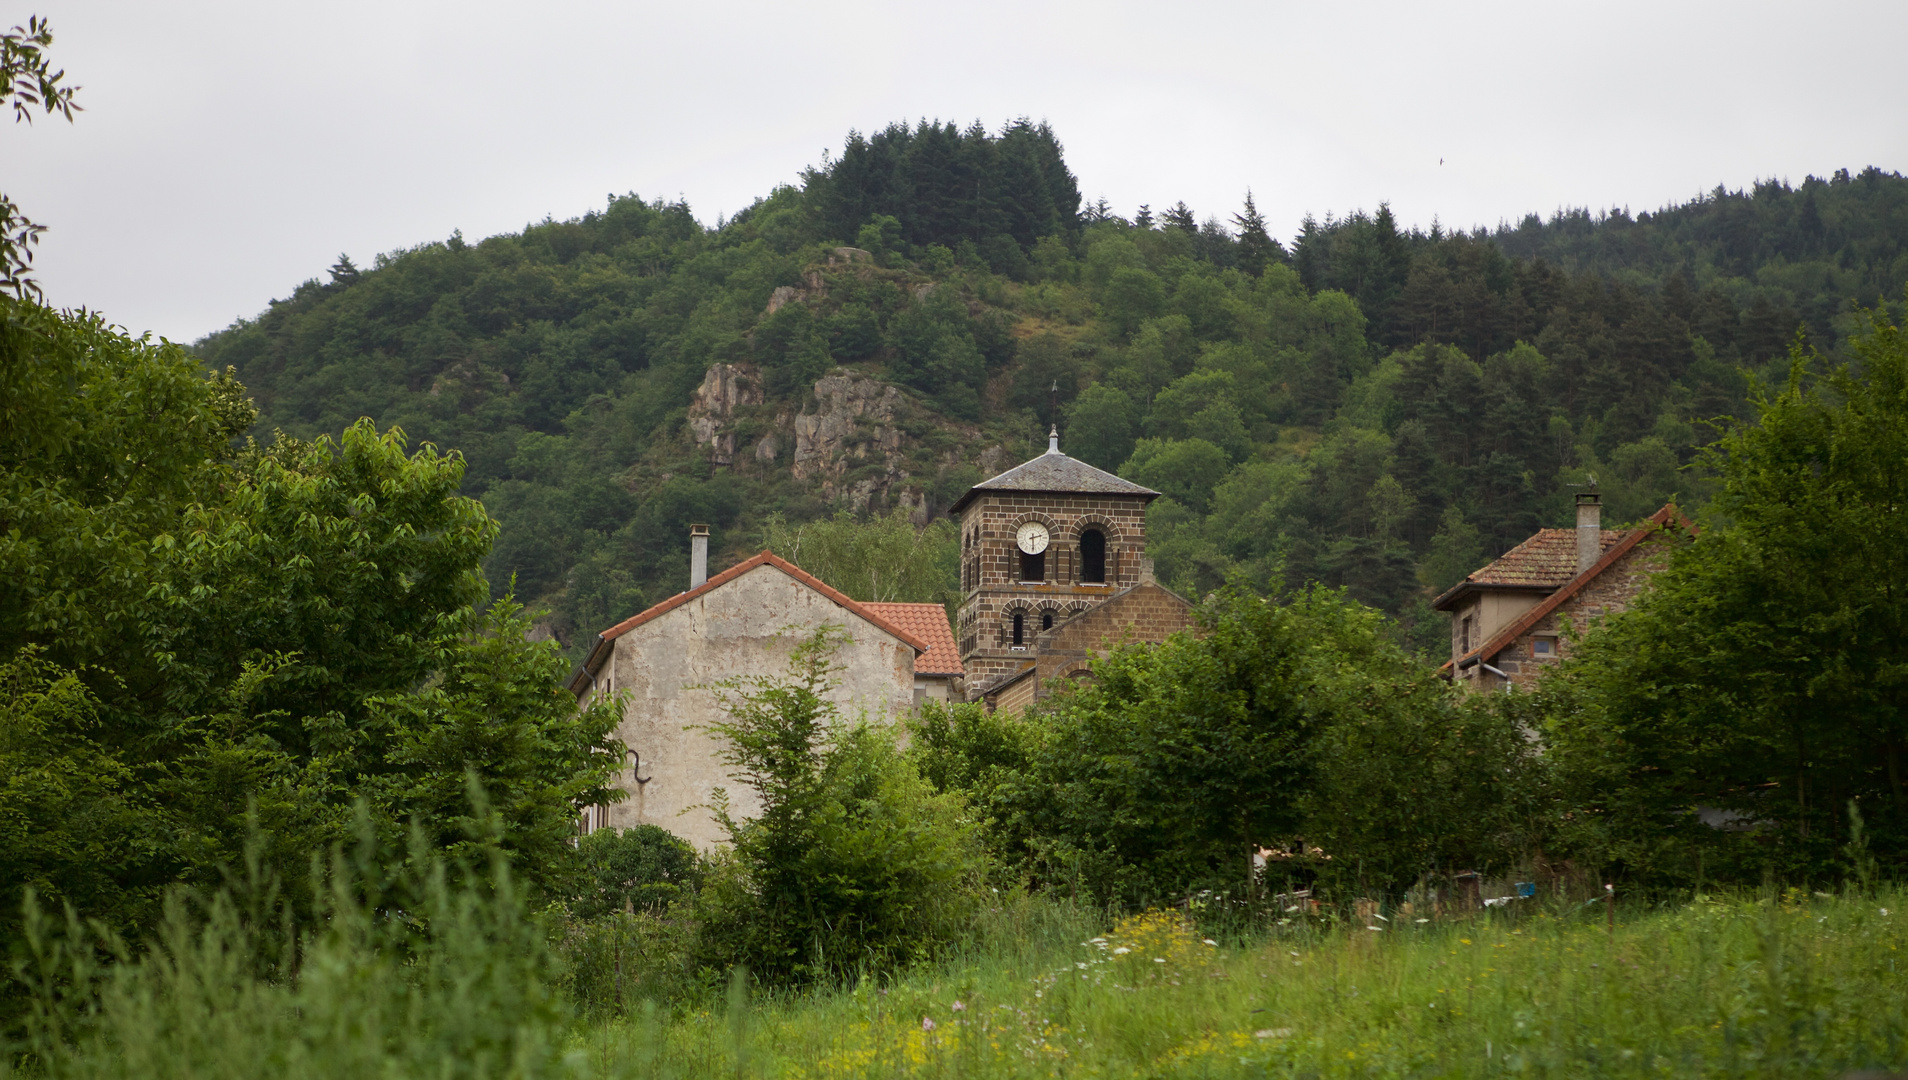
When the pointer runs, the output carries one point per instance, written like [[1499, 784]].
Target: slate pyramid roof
[[1055, 472]]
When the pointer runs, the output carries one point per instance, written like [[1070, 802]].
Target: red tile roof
[[1547, 560], [587, 670], [929, 623], [1627, 539]]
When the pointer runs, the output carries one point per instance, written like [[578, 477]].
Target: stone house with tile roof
[[1512, 619], [742, 623]]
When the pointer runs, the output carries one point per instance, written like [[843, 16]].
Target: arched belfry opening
[[1093, 557]]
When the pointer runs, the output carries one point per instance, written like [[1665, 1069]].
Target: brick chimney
[[1589, 529], [699, 555]]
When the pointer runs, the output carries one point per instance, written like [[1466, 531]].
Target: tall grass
[[1795, 985], [418, 976], [458, 983]]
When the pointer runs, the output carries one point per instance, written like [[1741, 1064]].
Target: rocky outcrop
[[827, 439], [849, 446], [725, 387]]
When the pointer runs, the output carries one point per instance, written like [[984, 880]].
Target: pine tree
[[1181, 216], [1143, 219], [343, 272], [1257, 249]]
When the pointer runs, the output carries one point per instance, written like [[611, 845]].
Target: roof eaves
[[1466, 587]]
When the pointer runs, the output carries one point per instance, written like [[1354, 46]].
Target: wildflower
[[1159, 959], [927, 1023], [1272, 1033], [1376, 929], [1211, 942], [1295, 953], [1424, 920], [958, 1007], [1465, 940], [1884, 912], [1121, 951]]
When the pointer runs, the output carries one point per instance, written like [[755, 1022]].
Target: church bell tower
[[1041, 543]]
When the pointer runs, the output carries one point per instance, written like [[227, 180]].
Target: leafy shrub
[[642, 868], [1283, 721], [854, 864]]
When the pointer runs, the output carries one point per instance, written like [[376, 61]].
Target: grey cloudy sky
[[231, 150]]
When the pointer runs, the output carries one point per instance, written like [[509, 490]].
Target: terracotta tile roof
[[1547, 560], [929, 623], [1626, 539], [1056, 472], [586, 671]]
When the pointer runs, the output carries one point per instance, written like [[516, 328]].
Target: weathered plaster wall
[[745, 628], [1490, 611]]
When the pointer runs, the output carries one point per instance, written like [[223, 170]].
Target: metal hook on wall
[[636, 766]]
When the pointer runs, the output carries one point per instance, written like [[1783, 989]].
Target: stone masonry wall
[[990, 570], [1147, 612]]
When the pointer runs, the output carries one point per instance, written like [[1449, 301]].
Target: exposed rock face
[[826, 439], [782, 296], [852, 448], [850, 255], [724, 388]]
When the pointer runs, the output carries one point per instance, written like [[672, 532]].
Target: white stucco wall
[[746, 627]]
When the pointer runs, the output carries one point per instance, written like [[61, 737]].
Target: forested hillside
[[1371, 407]]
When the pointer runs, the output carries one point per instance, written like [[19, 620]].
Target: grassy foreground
[[1796, 985]]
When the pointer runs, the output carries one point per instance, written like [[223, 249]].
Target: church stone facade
[[1044, 543]]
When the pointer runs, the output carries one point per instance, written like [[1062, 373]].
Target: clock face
[[1032, 538]]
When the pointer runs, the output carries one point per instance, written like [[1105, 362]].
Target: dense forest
[[1368, 406]]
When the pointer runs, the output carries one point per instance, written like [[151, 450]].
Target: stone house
[[742, 623], [1509, 619], [1053, 572]]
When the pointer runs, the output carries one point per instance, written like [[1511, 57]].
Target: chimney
[[1589, 529], [699, 555]]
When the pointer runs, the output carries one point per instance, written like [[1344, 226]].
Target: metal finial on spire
[[1053, 440]]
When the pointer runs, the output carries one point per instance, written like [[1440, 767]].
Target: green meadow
[[1797, 984]]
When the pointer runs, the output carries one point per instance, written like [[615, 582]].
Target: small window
[[1020, 628], [1464, 634], [1046, 620], [1033, 567], [1542, 646]]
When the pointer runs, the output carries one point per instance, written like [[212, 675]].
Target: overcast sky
[[229, 151]]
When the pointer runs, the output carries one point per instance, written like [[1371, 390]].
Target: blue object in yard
[[1526, 889]]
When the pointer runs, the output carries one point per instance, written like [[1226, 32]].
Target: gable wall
[[745, 628]]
